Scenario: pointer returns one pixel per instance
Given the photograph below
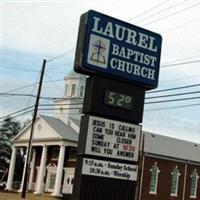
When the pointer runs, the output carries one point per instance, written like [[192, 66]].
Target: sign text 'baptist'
[[116, 48]]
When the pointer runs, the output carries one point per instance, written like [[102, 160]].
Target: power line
[[180, 26], [29, 85], [162, 108], [8, 115], [29, 111], [67, 51], [31, 70], [54, 98], [24, 95], [164, 90], [24, 113], [175, 88], [54, 83], [165, 65], [165, 108], [59, 55], [161, 11], [173, 95], [172, 14], [31, 95], [181, 59], [173, 107], [59, 109], [152, 102], [19, 68], [182, 63], [171, 100], [32, 91], [183, 78], [62, 104], [147, 11]]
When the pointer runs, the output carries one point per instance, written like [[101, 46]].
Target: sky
[[35, 30]]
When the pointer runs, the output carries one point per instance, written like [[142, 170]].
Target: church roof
[[76, 121], [65, 131], [75, 75], [171, 147]]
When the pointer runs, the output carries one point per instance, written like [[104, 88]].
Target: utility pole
[[27, 163]]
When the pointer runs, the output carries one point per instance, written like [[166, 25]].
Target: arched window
[[73, 90], [154, 179], [81, 91], [174, 184], [194, 182], [66, 90]]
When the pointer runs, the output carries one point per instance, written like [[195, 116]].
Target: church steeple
[[70, 105], [74, 85]]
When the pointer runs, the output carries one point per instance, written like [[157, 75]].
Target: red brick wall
[[68, 162], [164, 179]]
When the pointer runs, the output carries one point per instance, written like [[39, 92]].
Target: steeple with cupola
[[70, 106]]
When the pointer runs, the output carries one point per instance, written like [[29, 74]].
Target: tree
[[8, 129]]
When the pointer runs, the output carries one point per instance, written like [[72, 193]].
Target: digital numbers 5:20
[[119, 100]]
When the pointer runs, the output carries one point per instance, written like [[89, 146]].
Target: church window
[[81, 91], [55, 153], [72, 154], [194, 182], [52, 181], [174, 181], [73, 90], [154, 179], [66, 90]]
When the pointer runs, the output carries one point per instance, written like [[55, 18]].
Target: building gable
[[42, 131]]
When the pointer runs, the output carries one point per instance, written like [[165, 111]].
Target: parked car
[[2, 185], [16, 185]]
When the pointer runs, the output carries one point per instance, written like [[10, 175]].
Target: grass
[[29, 196]]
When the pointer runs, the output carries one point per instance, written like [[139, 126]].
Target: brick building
[[170, 169]]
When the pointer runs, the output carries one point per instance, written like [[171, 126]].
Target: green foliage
[[9, 129]]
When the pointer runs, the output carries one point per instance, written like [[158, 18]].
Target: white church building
[[54, 143]]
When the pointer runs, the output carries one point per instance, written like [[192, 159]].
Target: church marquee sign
[[108, 169], [110, 138], [111, 47]]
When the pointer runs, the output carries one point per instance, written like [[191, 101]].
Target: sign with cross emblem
[[116, 49], [122, 61]]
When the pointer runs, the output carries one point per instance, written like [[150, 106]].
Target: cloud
[[172, 126], [52, 27]]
